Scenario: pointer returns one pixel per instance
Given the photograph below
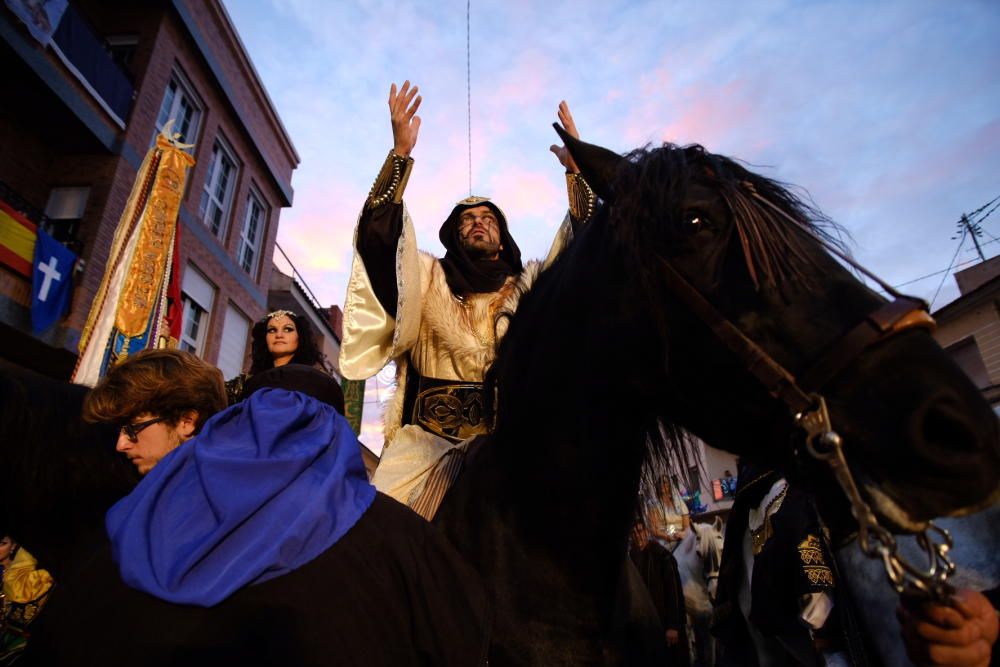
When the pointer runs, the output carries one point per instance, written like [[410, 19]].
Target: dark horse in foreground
[[604, 360], [604, 356]]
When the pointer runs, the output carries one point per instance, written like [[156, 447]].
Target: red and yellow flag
[[17, 240]]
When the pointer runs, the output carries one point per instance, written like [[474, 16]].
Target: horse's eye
[[696, 222]]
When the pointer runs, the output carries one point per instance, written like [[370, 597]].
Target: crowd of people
[[260, 480]]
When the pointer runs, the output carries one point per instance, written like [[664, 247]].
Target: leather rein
[[808, 408]]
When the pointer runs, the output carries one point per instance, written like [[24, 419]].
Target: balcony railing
[[300, 281], [76, 42]]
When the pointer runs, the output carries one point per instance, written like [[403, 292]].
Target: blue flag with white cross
[[51, 283]]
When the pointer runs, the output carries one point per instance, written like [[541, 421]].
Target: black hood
[[466, 275]]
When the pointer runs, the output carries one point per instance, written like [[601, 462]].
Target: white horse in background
[[698, 557]]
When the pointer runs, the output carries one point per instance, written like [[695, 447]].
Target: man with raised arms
[[436, 318]]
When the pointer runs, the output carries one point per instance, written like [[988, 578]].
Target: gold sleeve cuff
[[391, 181], [581, 198]]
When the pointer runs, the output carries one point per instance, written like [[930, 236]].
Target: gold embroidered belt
[[453, 410]]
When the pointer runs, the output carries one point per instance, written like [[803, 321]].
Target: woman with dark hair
[[281, 337]]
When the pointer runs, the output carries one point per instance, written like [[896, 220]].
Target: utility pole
[[974, 232]]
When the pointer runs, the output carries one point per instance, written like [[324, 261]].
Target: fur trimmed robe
[[444, 337]]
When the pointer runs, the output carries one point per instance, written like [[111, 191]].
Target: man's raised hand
[[566, 119], [403, 106]]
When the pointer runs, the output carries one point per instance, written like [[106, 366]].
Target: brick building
[[80, 114]]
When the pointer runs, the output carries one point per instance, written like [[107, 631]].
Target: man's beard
[[480, 249]]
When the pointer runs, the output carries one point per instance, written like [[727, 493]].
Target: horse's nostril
[[944, 423]]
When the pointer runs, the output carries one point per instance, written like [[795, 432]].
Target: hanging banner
[[52, 282], [130, 309], [40, 16]]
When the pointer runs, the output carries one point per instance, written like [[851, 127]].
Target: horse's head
[[709, 550], [917, 434]]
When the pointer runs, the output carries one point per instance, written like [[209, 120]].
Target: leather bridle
[[808, 408]]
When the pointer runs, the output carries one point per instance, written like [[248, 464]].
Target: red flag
[[175, 309]]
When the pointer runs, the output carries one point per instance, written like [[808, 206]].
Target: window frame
[[220, 151], [192, 286], [255, 245], [186, 91], [197, 345]]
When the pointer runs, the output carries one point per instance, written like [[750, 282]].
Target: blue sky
[[887, 112]]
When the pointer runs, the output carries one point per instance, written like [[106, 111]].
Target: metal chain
[[931, 582]]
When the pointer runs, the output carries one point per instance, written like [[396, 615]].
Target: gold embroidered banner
[[127, 310], [147, 271]]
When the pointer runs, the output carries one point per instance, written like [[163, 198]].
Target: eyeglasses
[[132, 431]]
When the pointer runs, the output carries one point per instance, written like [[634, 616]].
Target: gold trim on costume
[[391, 181], [810, 551], [819, 576], [581, 197], [813, 563], [453, 411]]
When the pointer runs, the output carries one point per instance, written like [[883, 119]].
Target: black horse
[[58, 474], [602, 360]]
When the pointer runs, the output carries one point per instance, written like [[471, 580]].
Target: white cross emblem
[[49, 270]]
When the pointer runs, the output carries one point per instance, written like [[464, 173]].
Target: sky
[[887, 112]]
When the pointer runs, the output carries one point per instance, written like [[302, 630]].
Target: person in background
[[781, 600], [24, 593], [658, 569], [280, 337], [667, 516]]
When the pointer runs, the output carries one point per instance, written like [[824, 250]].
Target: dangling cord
[[468, 85]]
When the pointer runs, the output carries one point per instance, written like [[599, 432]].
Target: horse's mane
[[58, 474], [775, 230], [774, 221]]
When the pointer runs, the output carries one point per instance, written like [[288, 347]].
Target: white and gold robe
[[443, 337]]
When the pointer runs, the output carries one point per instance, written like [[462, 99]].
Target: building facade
[[89, 103], [968, 328]]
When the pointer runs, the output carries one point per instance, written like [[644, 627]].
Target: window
[[232, 352], [218, 189], [121, 48], [64, 212], [197, 295], [253, 230], [192, 331], [179, 104]]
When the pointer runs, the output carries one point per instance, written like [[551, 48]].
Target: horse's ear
[[718, 523], [598, 165]]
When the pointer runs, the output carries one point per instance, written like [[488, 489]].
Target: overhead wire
[[468, 82], [973, 214], [987, 214], [996, 201], [961, 242]]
